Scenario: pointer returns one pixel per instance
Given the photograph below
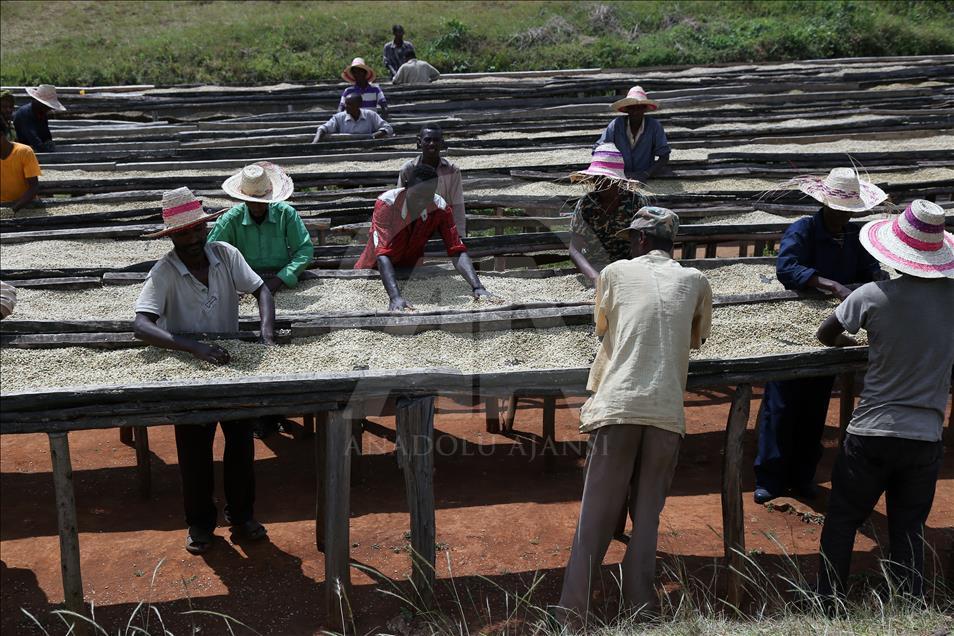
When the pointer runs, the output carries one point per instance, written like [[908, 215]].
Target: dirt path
[[499, 517]]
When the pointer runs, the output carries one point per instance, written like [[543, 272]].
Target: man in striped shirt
[[362, 78]]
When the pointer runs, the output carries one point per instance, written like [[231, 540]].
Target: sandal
[[250, 530], [199, 540]]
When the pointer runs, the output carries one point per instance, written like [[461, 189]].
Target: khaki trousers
[[642, 461]]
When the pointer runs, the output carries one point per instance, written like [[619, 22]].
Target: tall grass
[[110, 42]]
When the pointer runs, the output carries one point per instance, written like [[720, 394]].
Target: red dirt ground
[[500, 521]]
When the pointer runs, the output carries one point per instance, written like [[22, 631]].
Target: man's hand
[[274, 284], [844, 340], [399, 304], [834, 287], [318, 136], [480, 292], [379, 134], [212, 354]]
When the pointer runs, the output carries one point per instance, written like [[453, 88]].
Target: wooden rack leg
[[510, 414], [846, 404], [733, 521], [743, 249], [759, 248], [337, 513], [143, 462], [415, 434], [688, 250], [711, 250], [67, 525], [321, 422], [549, 433], [492, 407], [307, 425], [126, 435]]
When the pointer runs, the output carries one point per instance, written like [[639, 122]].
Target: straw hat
[[842, 189], [46, 94], [261, 182], [607, 164], [359, 62], [635, 97], [180, 211], [914, 242]]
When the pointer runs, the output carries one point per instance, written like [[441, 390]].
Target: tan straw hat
[[359, 62], [261, 182], [607, 165], [635, 97], [180, 211], [914, 242], [842, 189], [46, 94]]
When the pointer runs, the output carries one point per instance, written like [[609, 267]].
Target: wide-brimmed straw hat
[[46, 94], [359, 62], [607, 165], [180, 211], [914, 242], [635, 97], [261, 182], [842, 189]]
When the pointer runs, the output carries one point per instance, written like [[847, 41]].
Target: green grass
[[86, 43]]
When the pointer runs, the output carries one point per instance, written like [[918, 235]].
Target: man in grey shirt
[[354, 120], [893, 445]]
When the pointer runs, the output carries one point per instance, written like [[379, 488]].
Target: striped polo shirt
[[372, 97]]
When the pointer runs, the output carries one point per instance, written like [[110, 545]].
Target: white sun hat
[[635, 97], [180, 211], [46, 94], [261, 182], [842, 189], [914, 242]]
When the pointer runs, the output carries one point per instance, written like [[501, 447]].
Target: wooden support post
[[357, 444], [759, 248], [688, 250], [846, 383], [492, 407], [415, 435], [321, 423], [67, 525], [143, 462], [126, 435], [510, 414], [733, 521], [711, 249], [307, 425], [337, 513], [549, 433], [743, 249]]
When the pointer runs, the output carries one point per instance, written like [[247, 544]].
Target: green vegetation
[[86, 43]]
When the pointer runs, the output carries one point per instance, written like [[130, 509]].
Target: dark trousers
[[791, 423], [906, 471], [194, 448]]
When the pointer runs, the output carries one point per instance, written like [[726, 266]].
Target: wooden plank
[[415, 431], [321, 423], [337, 513], [68, 529], [492, 410], [143, 462], [733, 520], [549, 433]]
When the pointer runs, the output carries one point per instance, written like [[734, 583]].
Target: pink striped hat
[[635, 97], [913, 242], [607, 163], [180, 211]]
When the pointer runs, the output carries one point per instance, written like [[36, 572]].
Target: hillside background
[[87, 43]]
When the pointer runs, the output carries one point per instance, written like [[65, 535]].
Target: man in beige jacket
[[649, 312]]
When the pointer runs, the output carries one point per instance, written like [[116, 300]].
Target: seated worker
[[362, 76], [820, 252], [32, 120], [354, 121], [7, 106], [398, 51], [641, 140], [430, 141], [601, 214], [19, 173], [191, 290], [415, 71], [403, 221], [266, 230]]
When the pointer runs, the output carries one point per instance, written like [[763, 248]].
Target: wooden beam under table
[[415, 434], [733, 520], [143, 462], [68, 530], [337, 513]]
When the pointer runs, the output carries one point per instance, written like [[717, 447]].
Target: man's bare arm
[[148, 331]]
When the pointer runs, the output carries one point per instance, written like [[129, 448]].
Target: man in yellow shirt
[[649, 312], [19, 172]]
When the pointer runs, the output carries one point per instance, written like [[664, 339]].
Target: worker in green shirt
[[266, 230]]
